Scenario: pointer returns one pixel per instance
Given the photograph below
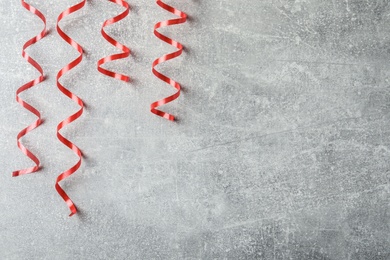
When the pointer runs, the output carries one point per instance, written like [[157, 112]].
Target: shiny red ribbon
[[75, 98], [125, 49], [26, 86], [182, 19]]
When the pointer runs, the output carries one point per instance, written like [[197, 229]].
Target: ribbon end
[[26, 171], [73, 211]]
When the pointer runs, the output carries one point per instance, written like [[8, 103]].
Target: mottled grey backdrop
[[281, 150]]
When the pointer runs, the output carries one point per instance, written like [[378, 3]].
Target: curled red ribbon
[[75, 98], [182, 19], [125, 49], [26, 86]]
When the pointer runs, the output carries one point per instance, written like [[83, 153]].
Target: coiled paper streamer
[[182, 19], [76, 99], [125, 50], [26, 86]]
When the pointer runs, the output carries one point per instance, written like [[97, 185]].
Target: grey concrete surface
[[281, 150]]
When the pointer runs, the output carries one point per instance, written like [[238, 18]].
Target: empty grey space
[[281, 149]]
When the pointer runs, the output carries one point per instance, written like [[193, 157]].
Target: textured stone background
[[281, 150]]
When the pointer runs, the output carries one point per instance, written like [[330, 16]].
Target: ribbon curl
[[125, 50], [76, 99], [182, 19], [26, 86]]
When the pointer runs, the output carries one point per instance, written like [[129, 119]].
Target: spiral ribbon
[[76, 99], [125, 50], [26, 86], [182, 19]]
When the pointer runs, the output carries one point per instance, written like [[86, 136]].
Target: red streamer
[[76, 99], [125, 49], [182, 19], [26, 86]]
